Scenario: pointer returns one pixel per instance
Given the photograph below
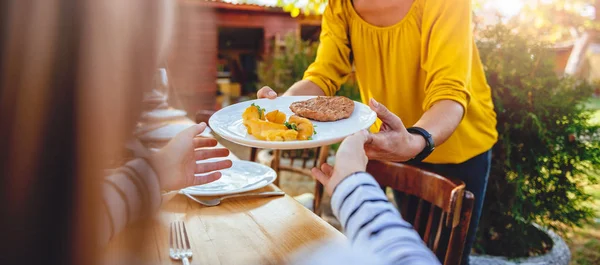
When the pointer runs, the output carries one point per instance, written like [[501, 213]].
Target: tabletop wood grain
[[239, 231]]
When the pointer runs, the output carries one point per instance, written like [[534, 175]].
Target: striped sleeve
[[372, 223], [131, 192]]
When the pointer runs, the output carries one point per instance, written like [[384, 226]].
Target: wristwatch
[[429, 144]]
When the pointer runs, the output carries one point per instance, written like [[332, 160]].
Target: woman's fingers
[[208, 178], [212, 166], [200, 142], [194, 130], [266, 92], [202, 154], [320, 176], [386, 116]]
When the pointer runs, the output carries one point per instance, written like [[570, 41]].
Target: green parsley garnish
[[261, 111], [310, 138], [291, 126]]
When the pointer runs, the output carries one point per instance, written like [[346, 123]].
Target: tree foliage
[[286, 65], [547, 149], [553, 20], [282, 68], [306, 7], [559, 20]]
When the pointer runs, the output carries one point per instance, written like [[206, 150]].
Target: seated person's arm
[[134, 191], [373, 224]]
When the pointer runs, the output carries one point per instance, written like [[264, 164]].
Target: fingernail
[[374, 103], [272, 94]]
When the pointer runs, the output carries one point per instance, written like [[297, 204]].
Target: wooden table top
[[239, 231]]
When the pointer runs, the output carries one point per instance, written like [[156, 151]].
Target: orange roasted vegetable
[[280, 135], [276, 117], [256, 127], [304, 127], [253, 112]]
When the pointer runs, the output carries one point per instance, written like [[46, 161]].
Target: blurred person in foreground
[[418, 58], [72, 76]]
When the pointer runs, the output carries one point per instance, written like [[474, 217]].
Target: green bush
[[547, 149], [282, 68], [350, 90]]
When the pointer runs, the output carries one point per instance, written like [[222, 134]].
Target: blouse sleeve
[[332, 65], [131, 192], [447, 45]]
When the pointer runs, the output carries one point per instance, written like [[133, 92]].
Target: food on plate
[[276, 117], [253, 112], [257, 128], [280, 135], [274, 127], [303, 126], [324, 108]]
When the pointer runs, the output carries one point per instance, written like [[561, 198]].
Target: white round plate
[[228, 123], [242, 176]]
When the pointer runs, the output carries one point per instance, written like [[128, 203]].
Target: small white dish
[[228, 123], [242, 176]]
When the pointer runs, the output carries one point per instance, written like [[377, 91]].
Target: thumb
[[385, 115], [362, 137], [194, 130], [266, 92]]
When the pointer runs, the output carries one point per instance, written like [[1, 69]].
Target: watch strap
[[429, 144]]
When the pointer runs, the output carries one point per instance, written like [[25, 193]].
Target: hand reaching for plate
[[175, 164], [350, 158], [393, 142], [266, 92], [300, 88]]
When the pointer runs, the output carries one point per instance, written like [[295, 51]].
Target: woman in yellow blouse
[[418, 58]]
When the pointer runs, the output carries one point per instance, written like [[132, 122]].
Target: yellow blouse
[[430, 55]]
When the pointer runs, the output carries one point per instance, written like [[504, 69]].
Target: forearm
[[304, 88], [131, 192], [372, 223], [441, 120]]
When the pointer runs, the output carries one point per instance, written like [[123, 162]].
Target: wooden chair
[[317, 155], [443, 206]]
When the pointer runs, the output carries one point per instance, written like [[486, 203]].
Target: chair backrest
[[439, 208], [301, 159]]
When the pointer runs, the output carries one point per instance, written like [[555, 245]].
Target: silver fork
[[179, 244]]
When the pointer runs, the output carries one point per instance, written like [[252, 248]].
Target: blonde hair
[[72, 77]]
